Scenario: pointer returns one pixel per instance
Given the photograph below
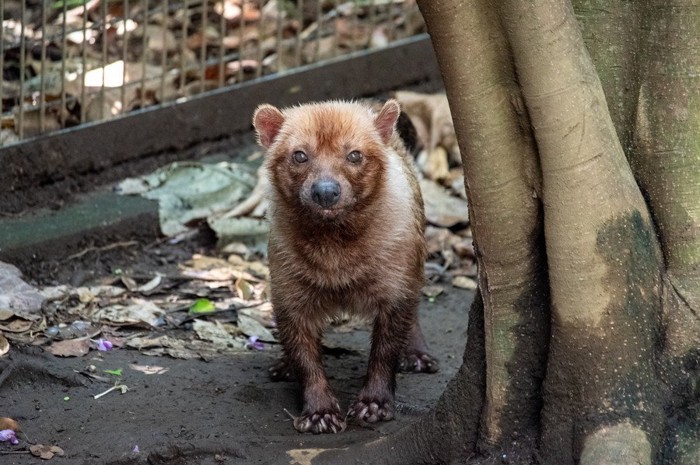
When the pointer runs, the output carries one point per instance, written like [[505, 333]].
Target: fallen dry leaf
[[430, 114], [9, 423], [75, 330], [468, 269], [150, 285], [432, 291], [17, 326], [251, 326], [256, 267], [214, 332], [4, 348], [188, 191], [213, 269], [256, 203], [463, 282], [305, 456], [137, 313], [6, 314], [55, 292], [441, 208], [244, 289], [129, 283], [88, 294], [439, 239], [45, 452], [70, 348], [175, 352], [147, 342], [182, 349], [16, 295], [434, 164], [149, 369]]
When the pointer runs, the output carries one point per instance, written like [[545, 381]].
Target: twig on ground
[[122, 387], [102, 249], [290, 415]]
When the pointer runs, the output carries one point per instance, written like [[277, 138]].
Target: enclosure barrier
[[70, 62]]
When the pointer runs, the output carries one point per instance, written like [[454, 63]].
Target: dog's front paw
[[319, 422], [372, 410]]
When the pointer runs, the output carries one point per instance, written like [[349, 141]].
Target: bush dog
[[347, 221]]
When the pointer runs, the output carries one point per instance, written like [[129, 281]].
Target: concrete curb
[[92, 220]]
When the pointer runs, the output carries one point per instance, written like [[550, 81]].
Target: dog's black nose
[[325, 192]]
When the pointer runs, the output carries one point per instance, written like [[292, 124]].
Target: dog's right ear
[[267, 121]]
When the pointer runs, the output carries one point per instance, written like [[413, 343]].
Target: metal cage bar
[[96, 59]]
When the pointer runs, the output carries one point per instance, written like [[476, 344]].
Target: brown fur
[[363, 255]]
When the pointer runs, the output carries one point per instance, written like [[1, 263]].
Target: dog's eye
[[354, 157], [300, 157]]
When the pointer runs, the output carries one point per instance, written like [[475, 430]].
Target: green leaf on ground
[[201, 306]]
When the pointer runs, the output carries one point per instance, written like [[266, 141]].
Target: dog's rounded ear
[[386, 119], [267, 121]]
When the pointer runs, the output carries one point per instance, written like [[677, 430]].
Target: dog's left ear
[[267, 121], [386, 119]]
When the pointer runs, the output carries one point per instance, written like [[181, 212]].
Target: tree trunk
[[586, 335], [601, 250], [607, 383], [505, 217]]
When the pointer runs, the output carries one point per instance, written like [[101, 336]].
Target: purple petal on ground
[[254, 343], [9, 435], [103, 345]]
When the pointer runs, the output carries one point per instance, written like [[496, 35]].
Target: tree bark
[[586, 345], [614, 35], [503, 180], [591, 206], [667, 166], [668, 150]]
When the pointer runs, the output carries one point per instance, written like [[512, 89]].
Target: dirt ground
[[223, 410]]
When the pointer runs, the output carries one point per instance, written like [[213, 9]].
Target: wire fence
[[70, 62]]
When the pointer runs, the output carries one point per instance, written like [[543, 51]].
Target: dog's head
[[326, 160]]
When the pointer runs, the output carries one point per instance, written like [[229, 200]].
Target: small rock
[[463, 282]]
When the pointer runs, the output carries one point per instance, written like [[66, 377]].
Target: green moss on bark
[[613, 35]]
